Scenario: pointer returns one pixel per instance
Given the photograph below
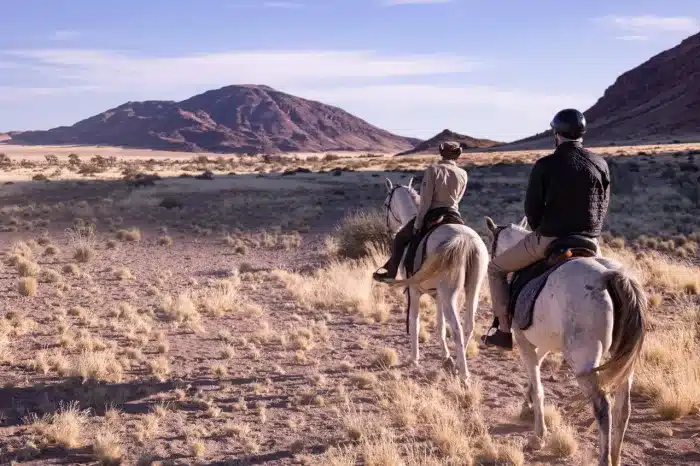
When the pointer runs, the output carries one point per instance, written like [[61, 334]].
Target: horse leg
[[471, 301], [413, 322], [442, 329], [527, 410], [531, 360], [621, 415], [601, 407], [447, 296]]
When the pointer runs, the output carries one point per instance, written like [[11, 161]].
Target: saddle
[[433, 219], [526, 284]]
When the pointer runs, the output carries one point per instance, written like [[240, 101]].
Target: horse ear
[[389, 184], [490, 224], [523, 222], [410, 182]]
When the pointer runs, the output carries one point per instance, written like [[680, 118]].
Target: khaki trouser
[[527, 251]]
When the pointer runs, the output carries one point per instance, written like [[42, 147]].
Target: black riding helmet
[[569, 123]]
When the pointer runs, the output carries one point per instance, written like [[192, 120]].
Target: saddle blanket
[[521, 312]]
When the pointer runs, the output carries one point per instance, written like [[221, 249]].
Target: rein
[[495, 240], [389, 212]]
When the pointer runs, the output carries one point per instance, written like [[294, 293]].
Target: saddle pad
[[525, 301]]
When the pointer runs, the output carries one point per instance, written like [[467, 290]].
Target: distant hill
[[658, 101], [432, 145], [232, 119]]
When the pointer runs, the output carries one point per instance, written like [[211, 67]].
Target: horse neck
[[405, 205]]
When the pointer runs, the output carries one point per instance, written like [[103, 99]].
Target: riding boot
[[403, 237]]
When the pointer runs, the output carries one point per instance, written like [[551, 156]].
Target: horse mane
[[519, 228], [414, 194]]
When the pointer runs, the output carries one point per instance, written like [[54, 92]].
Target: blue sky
[[496, 69]]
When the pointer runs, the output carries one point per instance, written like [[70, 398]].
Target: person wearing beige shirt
[[442, 188]]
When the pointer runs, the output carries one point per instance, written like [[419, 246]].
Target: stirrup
[[500, 339], [382, 276]]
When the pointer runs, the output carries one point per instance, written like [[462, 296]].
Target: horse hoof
[[527, 413], [536, 443], [413, 362], [449, 365]]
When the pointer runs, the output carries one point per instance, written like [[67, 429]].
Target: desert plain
[[231, 318]]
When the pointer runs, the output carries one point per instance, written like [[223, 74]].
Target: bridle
[[494, 243], [389, 212]]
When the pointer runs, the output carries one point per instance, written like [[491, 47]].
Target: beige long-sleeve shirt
[[443, 185]]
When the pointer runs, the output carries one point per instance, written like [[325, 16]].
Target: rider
[[568, 193], [441, 191]]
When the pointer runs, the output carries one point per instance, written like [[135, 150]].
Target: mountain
[[467, 142], [232, 119], [658, 101]]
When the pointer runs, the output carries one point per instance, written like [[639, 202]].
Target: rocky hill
[[658, 101], [233, 119], [431, 145]]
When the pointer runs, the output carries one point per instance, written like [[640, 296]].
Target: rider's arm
[[535, 196], [426, 197]]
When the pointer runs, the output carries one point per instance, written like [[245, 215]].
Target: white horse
[[456, 259], [586, 310]]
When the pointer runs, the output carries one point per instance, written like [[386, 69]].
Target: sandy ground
[[253, 372]]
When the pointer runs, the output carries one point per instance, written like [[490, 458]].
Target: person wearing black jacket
[[568, 193]]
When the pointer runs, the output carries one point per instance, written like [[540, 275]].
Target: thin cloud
[[413, 2], [11, 93], [65, 34], [423, 109], [283, 5], [643, 24], [633, 38], [113, 71]]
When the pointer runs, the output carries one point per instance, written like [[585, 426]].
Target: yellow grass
[[340, 285]]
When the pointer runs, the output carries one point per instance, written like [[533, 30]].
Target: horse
[[589, 307], [456, 258]]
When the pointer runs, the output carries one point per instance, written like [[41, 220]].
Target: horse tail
[[629, 328], [476, 268], [449, 258]]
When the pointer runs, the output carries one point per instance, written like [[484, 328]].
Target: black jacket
[[568, 192]]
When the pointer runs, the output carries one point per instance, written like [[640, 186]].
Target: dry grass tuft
[[562, 442], [100, 365], [26, 268], [64, 427], [345, 285], [160, 368], [27, 286], [182, 311], [364, 379], [131, 235], [51, 276], [387, 357], [107, 447], [71, 269], [358, 233], [83, 240], [122, 273], [165, 240], [220, 298]]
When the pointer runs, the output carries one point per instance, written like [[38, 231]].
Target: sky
[[497, 69]]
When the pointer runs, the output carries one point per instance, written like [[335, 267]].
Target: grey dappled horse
[[588, 308]]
